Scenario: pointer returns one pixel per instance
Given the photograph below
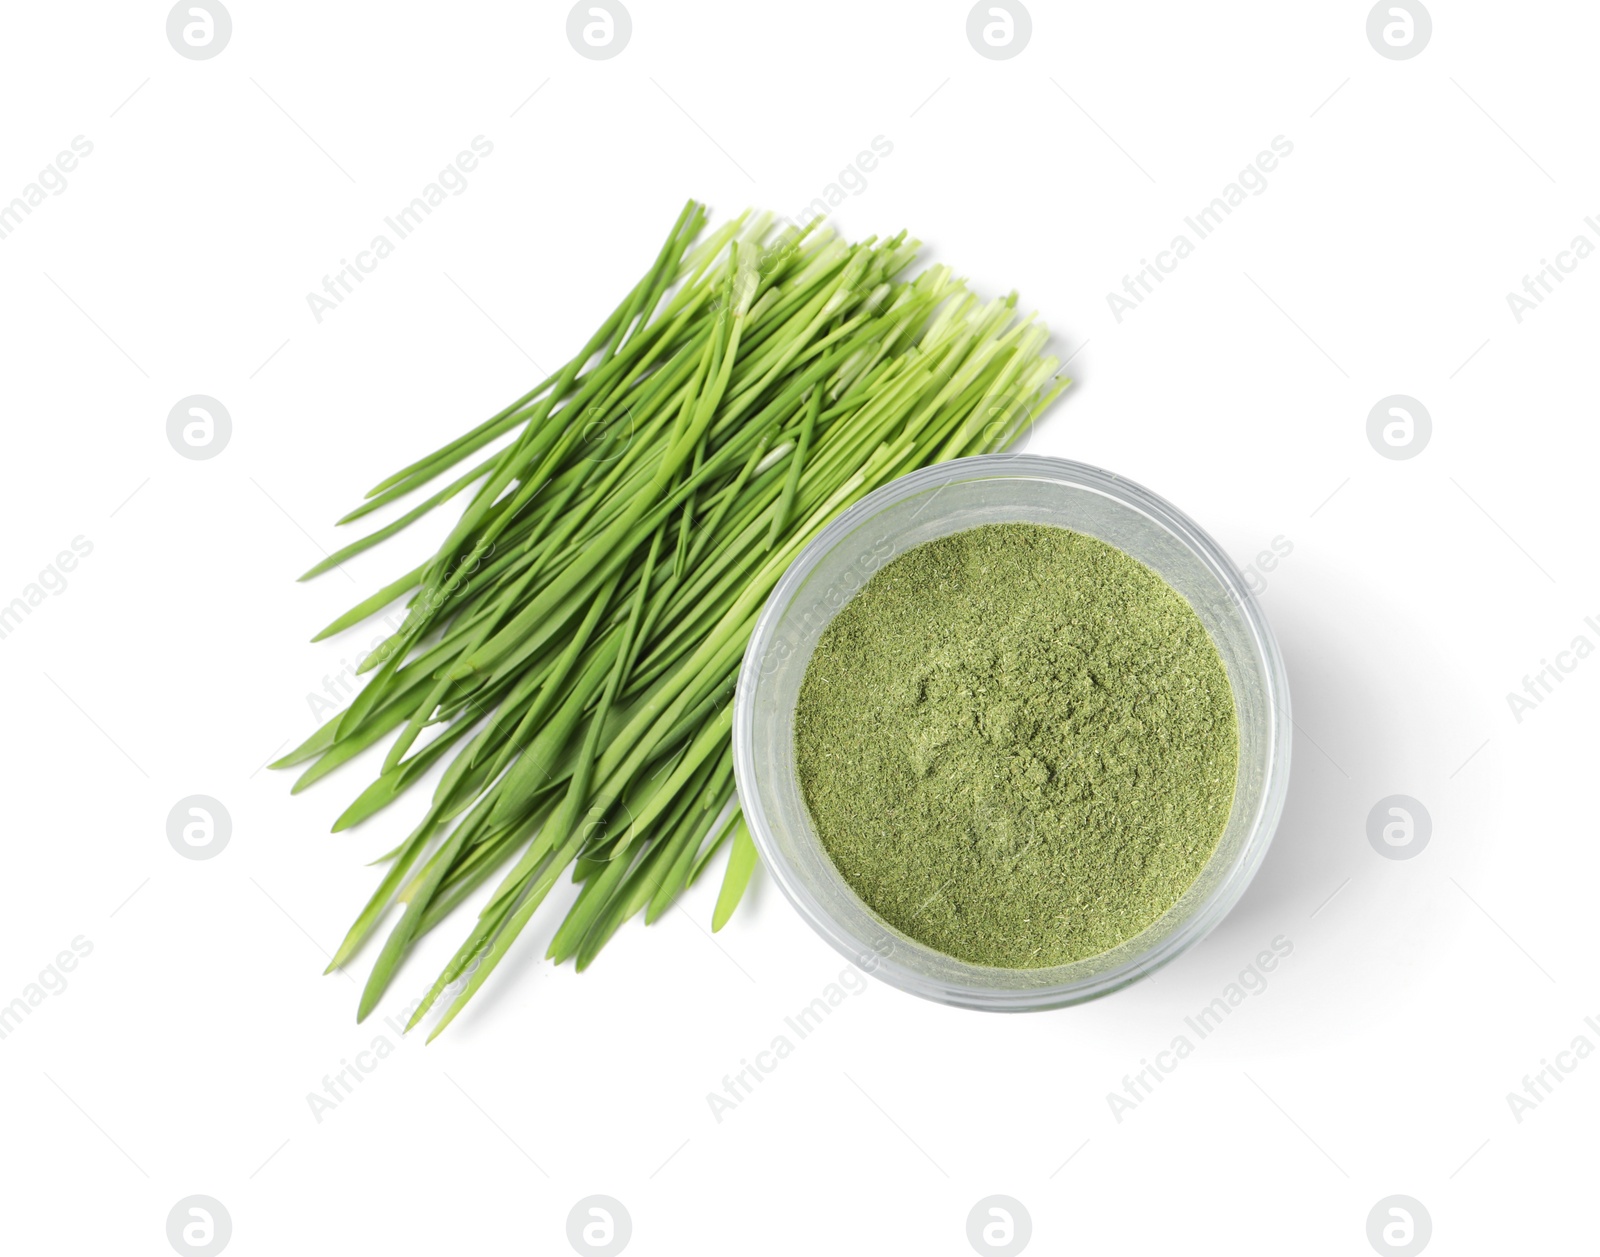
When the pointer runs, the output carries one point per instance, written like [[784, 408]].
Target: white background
[[1418, 593]]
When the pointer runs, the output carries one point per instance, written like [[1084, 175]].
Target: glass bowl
[[948, 498]]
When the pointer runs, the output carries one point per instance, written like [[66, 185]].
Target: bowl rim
[[879, 956]]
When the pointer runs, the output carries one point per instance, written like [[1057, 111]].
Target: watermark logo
[[599, 29], [1399, 29], [1398, 827], [879, 950], [199, 427], [199, 1226], [599, 1226], [199, 29], [999, 29], [999, 831], [1399, 1225], [999, 1225], [1399, 427], [198, 827], [1007, 426], [607, 433]]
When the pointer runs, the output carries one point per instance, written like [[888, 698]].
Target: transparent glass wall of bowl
[[933, 503]]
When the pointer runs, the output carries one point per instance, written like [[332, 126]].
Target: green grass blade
[[741, 863]]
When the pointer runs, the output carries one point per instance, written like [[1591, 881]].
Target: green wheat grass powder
[[1017, 744]]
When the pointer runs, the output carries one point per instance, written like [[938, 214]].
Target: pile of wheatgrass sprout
[[573, 645]]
